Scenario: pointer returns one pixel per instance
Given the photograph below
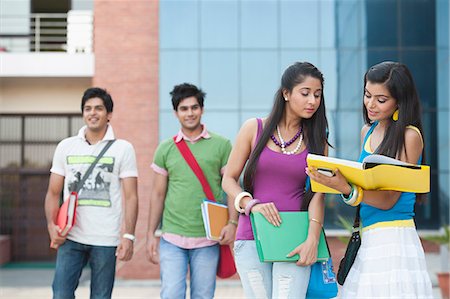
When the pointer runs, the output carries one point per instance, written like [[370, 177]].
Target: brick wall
[[126, 64]]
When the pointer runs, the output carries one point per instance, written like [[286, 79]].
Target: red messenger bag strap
[[226, 267], [193, 164]]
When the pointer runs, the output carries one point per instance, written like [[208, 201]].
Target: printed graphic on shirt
[[95, 190]]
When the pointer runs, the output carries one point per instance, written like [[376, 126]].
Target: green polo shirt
[[182, 213]]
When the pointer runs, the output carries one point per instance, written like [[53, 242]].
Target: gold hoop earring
[[395, 115]]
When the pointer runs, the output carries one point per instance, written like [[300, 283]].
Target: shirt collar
[[204, 134], [108, 136]]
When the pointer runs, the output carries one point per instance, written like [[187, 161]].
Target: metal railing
[[64, 32], [49, 32]]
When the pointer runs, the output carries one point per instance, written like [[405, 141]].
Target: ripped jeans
[[268, 280]]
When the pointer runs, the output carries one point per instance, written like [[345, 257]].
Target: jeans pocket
[[238, 246]]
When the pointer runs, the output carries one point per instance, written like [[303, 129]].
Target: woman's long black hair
[[314, 129], [398, 80]]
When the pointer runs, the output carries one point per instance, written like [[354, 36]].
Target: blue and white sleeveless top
[[404, 207]]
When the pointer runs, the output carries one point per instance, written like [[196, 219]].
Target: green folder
[[274, 243]]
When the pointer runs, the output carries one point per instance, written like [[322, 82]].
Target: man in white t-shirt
[[96, 236]]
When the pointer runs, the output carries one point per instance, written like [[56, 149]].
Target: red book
[[66, 215]]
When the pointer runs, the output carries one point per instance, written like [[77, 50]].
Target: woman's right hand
[[337, 181], [269, 211]]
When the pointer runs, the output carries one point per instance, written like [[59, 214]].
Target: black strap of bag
[[356, 221], [80, 184], [350, 253]]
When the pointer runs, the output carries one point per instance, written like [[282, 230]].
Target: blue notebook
[[274, 243]]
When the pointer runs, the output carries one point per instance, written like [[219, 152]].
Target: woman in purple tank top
[[274, 150]]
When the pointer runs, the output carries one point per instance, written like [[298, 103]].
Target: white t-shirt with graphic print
[[99, 211]]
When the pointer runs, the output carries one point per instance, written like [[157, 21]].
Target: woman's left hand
[[307, 252], [269, 211], [337, 181]]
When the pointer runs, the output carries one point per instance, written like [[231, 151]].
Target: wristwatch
[[129, 237]]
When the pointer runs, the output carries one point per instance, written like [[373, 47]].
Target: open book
[[274, 243], [215, 217], [376, 172]]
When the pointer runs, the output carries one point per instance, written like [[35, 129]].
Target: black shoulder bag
[[352, 249]]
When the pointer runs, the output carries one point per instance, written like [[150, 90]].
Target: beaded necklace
[[284, 144]]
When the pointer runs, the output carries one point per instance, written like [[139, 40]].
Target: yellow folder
[[376, 172], [215, 217]]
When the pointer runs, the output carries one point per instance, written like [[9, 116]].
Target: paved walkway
[[25, 283]]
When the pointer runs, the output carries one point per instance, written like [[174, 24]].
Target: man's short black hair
[[186, 90], [97, 92]]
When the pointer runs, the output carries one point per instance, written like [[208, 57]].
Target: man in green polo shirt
[[176, 197]]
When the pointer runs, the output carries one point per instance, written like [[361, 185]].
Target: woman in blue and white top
[[390, 262]]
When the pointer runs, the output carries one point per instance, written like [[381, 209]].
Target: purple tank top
[[280, 179]]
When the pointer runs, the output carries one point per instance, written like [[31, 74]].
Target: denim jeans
[[174, 263], [70, 261], [268, 280]]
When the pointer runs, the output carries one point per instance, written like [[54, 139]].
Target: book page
[[337, 161], [206, 220], [373, 160], [71, 209]]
